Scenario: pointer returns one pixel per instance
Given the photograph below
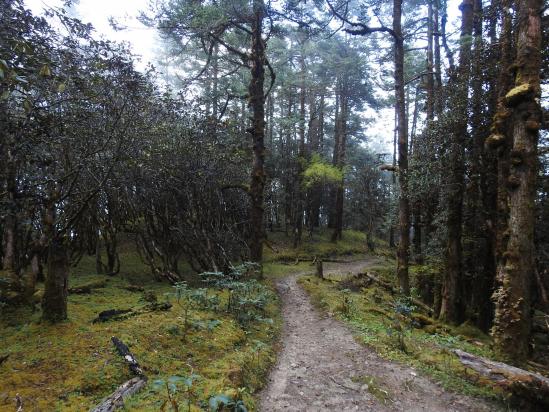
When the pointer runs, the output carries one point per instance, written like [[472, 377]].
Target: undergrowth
[[71, 366]]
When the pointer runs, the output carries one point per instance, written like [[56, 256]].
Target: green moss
[[71, 366], [319, 245], [517, 93]]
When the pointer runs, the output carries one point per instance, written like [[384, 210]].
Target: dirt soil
[[322, 368]]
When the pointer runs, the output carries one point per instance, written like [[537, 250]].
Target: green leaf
[[61, 87], [176, 379], [217, 401], [45, 71], [158, 384]]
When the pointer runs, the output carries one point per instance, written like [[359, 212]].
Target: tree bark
[[9, 235], [452, 306], [527, 386], [257, 131], [342, 143], [400, 108], [54, 303], [300, 195], [512, 325]]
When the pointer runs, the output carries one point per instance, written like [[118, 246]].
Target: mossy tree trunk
[[54, 302], [452, 305], [481, 204], [9, 223], [403, 251], [512, 324], [257, 131]]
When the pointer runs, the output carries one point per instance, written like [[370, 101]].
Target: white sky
[[143, 40], [144, 43]]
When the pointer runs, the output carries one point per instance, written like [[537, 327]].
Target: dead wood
[[111, 314], [124, 351], [116, 399], [524, 385], [87, 288], [387, 286], [128, 388]]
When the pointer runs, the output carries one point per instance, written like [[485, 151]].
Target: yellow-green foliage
[[319, 172], [372, 317], [71, 366]]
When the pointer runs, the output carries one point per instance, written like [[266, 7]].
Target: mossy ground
[[318, 244], [371, 313], [71, 366]]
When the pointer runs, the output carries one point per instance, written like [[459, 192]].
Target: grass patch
[[378, 321], [71, 366]]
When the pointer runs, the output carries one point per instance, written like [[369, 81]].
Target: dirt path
[[322, 368]]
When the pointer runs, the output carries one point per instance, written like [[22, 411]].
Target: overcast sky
[[144, 42], [142, 39]]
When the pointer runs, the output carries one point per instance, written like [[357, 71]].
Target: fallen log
[[111, 314], [124, 351], [524, 385], [116, 399], [128, 388], [122, 314], [392, 290], [87, 288], [156, 307]]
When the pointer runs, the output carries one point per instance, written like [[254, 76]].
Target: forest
[[323, 205]]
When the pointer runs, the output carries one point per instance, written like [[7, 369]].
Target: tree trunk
[[512, 323], [257, 131], [298, 226], [9, 235], [54, 303], [452, 308], [342, 143], [400, 108]]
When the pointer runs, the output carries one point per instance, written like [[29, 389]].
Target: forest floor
[[321, 366], [341, 345]]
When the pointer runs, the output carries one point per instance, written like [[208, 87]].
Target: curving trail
[[320, 365]]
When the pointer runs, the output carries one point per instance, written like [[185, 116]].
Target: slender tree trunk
[[10, 221], [298, 226], [335, 157], [99, 266], [452, 308], [400, 108], [215, 81], [481, 206], [437, 60], [54, 302], [512, 323], [342, 142], [430, 103], [257, 131]]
